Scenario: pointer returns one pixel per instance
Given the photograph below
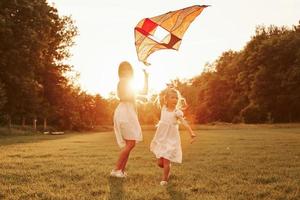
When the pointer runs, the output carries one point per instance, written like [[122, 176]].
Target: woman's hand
[[146, 74]]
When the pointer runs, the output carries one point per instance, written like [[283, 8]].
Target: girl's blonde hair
[[163, 95]]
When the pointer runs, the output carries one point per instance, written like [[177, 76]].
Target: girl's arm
[[187, 126]]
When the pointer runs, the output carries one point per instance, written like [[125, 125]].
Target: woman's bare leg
[[123, 158], [124, 164]]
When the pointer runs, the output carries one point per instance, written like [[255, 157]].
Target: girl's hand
[[193, 137]]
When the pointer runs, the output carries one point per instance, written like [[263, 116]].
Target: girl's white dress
[[166, 142], [126, 123]]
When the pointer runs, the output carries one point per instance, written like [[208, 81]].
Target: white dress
[[166, 142], [126, 123]]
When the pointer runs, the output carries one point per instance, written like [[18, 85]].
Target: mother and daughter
[[166, 144]]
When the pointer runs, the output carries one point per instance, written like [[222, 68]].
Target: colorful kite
[[164, 31]]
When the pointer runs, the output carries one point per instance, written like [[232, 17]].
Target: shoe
[[162, 183], [117, 173], [125, 174]]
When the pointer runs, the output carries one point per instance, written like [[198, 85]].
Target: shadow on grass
[[32, 138], [2, 196], [116, 190], [175, 194]]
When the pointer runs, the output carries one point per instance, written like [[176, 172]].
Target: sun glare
[[157, 81], [133, 85]]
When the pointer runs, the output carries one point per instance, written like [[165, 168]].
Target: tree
[[33, 41], [3, 98]]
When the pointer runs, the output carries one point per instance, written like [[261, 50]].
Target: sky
[[106, 36]]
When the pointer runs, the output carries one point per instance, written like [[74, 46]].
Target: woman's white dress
[[166, 142], [126, 123]]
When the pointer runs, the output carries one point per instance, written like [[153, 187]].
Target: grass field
[[255, 162]]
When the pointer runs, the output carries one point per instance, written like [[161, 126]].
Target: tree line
[[34, 41], [258, 84]]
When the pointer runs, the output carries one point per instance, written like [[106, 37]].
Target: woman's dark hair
[[124, 68]]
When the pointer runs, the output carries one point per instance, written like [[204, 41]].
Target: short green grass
[[255, 162]]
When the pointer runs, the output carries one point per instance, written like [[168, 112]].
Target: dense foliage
[[258, 84], [34, 40]]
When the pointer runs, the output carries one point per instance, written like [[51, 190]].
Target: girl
[[166, 144], [126, 125]]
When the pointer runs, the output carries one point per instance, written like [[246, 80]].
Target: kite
[[164, 31]]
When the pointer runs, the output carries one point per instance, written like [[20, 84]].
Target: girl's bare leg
[[160, 162], [166, 170], [121, 163]]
